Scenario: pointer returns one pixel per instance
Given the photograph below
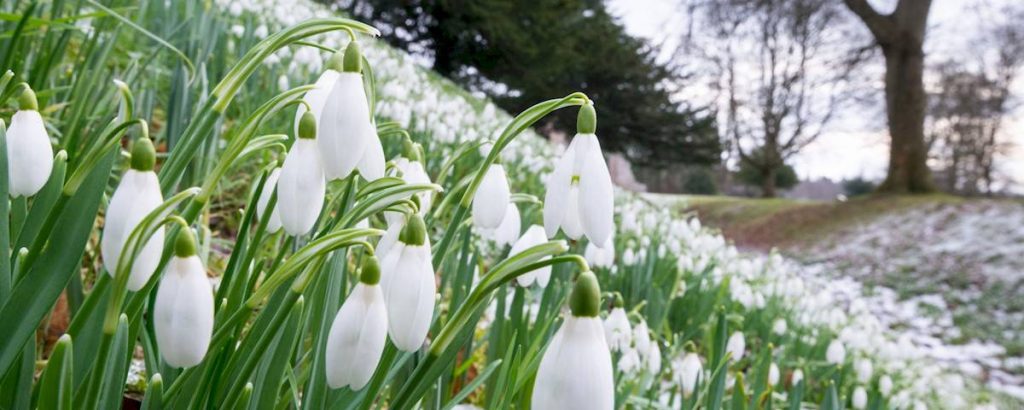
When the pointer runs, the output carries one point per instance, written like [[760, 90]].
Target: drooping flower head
[[690, 371], [490, 202], [137, 194], [29, 154], [579, 197], [576, 369], [617, 330], [409, 286], [357, 336], [301, 188], [736, 346], [183, 313], [348, 138], [836, 352]]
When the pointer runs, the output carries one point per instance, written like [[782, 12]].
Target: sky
[[858, 147]]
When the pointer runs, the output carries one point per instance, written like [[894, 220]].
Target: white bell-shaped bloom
[[508, 231], [579, 197], [773, 374], [317, 97], [689, 371], [301, 187], [533, 236], [779, 326], [885, 385], [860, 398], [864, 369], [490, 202], [273, 220], [630, 361], [346, 127], [412, 172], [575, 372], [736, 346], [183, 313], [603, 256], [371, 164], [642, 338], [617, 330], [798, 376], [407, 278], [29, 154], [137, 194], [836, 352], [357, 336], [652, 363]]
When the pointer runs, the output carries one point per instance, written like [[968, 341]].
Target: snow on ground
[[948, 276]]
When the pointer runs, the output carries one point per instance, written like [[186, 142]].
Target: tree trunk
[[768, 183], [906, 102]]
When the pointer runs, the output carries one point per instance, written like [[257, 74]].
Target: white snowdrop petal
[[596, 196], [183, 313], [571, 224], [137, 194], [344, 129], [371, 165], [533, 236], [576, 371], [29, 154], [410, 298], [556, 196], [356, 339], [317, 97], [273, 221], [491, 198], [508, 231], [301, 188]]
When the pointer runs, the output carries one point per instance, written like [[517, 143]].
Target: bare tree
[[901, 36], [782, 70], [972, 101]]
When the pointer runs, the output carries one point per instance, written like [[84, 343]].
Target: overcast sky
[[855, 147]]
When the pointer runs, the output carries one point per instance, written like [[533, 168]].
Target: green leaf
[[116, 367], [154, 394], [56, 387]]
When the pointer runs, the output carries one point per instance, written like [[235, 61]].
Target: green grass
[[782, 222]]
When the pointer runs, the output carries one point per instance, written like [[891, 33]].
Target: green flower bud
[[143, 155], [370, 274], [585, 300], [185, 244], [27, 100], [353, 60], [307, 126], [409, 150], [415, 231], [586, 121]]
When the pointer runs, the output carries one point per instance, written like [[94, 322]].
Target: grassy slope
[[784, 223]]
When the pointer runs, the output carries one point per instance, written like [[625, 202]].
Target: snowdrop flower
[[617, 331], [652, 363], [773, 375], [579, 197], [183, 313], [137, 194], [490, 202], [885, 385], [860, 398], [533, 236], [836, 353], [689, 371], [863, 368], [357, 336], [779, 326], [576, 370], [798, 376], [736, 346], [317, 97], [642, 338], [409, 287], [348, 133], [630, 361], [410, 165], [508, 231], [29, 154], [301, 187], [603, 256], [273, 220]]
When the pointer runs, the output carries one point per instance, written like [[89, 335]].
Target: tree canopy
[[521, 51]]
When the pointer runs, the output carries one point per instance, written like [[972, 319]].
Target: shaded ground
[[954, 266]]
